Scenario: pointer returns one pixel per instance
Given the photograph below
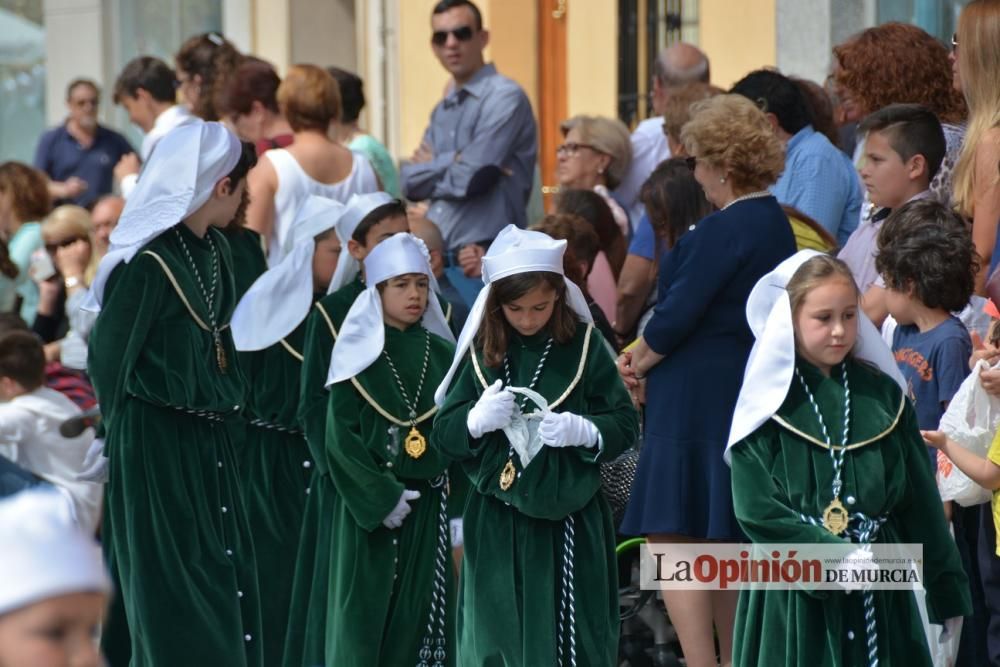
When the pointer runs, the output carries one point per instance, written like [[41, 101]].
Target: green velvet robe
[[305, 642], [784, 468], [381, 579], [275, 469], [178, 534], [510, 582]]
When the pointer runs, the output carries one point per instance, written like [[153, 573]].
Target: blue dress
[[682, 484]]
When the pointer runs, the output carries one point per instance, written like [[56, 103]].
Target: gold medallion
[[220, 356], [835, 517], [415, 443], [507, 475]]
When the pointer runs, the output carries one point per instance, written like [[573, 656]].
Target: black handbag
[[617, 477]]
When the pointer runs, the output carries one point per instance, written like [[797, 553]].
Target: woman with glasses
[[694, 349], [595, 155]]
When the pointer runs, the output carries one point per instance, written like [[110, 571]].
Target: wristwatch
[[72, 281]]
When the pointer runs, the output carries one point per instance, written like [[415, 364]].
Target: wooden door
[[552, 15]]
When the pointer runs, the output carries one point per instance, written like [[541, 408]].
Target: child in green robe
[[390, 599], [531, 405], [366, 221], [822, 432], [275, 463], [163, 364]]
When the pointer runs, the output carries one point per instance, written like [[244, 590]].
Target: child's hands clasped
[[492, 411], [564, 429]]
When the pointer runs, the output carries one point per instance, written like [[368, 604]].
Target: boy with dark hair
[[30, 415], [818, 179], [147, 89], [928, 262], [904, 146]]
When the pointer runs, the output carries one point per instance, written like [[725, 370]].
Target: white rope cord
[[435, 642]]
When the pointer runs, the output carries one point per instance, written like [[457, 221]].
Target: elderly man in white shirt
[[676, 65]]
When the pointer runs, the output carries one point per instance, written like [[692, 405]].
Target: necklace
[[415, 443], [750, 195], [208, 295], [509, 472], [835, 517]]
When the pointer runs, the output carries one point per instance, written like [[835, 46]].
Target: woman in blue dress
[[694, 350]]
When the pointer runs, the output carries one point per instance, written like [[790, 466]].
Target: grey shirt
[[485, 145]]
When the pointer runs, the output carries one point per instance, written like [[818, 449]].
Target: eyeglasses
[[85, 102], [691, 162], [572, 148], [462, 34]]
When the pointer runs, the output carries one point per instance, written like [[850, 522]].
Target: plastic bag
[[971, 420]]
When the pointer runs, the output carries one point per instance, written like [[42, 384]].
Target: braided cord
[[566, 641], [207, 294], [865, 528], [420, 385], [435, 642], [836, 454]]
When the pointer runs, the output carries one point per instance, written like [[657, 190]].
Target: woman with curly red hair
[[899, 63]]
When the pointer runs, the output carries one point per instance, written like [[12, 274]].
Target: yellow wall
[[422, 80], [738, 36], [272, 33], [592, 57]]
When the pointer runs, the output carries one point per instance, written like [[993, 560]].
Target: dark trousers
[[989, 573]]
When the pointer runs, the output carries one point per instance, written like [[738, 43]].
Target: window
[[646, 27], [155, 28], [22, 78], [938, 17]]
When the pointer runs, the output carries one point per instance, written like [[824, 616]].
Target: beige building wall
[[738, 37], [592, 57]]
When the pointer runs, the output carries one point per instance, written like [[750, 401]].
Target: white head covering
[[362, 335], [771, 364], [514, 251], [280, 298], [44, 554], [358, 206], [177, 181]]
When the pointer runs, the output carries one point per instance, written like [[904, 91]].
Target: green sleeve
[[921, 521], [369, 491], [451, 432], [133, 298], [761, 505], [314, 397], [608, 405]]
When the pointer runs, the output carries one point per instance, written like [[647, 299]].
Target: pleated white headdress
[[280, 298], [362, 335], [769, 370], [358, 206], [514, 251], [177, 181]]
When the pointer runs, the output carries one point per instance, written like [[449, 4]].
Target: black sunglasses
[[462, 34]]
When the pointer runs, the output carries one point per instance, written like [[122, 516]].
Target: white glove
[[402, 509], [564, 429], [950, 628], [95, 464], [492, 411], [859, 560]]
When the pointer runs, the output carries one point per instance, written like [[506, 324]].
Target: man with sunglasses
[[79, 156], [475, 165]]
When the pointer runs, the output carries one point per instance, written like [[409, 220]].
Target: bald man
[[104, 217], [428, 232], [675, 66]]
